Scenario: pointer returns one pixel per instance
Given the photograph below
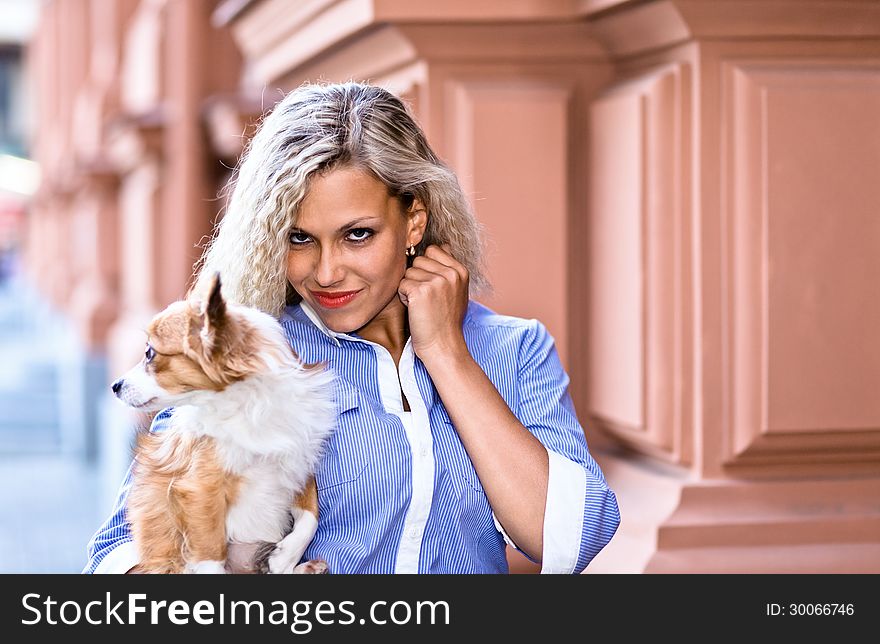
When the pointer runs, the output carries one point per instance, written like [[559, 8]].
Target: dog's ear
[[213, 316], [215, 307]]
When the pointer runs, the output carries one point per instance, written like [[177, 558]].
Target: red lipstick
[[335, 299]]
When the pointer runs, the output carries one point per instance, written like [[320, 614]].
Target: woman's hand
[[435, 292]]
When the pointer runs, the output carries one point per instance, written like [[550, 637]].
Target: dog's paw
[[279, 562], [313, 567]]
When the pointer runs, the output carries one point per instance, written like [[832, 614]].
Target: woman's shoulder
[[500, 343], [481, 315], [483, 320]]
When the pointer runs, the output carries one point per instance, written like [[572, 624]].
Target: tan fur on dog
[[178, 507]]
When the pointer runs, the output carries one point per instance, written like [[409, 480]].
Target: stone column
[[60, 244], [733, 259], [93, 278]]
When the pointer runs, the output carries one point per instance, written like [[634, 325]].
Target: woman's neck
[[390, 328]]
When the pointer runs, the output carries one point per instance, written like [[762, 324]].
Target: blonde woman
[[456, 432]]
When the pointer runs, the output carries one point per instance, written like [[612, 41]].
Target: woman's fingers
[[421, 274], [441, 255], [431, 265]]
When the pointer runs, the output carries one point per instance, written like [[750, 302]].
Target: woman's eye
[[299, 238], [149, 354], [359, 234]]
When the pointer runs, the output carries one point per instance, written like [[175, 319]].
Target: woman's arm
[[111, 550], [512, 464], [545, 489]]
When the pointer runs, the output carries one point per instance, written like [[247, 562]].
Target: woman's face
[[347, 252]]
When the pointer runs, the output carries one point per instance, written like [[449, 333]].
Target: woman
[[456, 431]]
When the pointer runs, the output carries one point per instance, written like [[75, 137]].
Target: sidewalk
[[48, 499]]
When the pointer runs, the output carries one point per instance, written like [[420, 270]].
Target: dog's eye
[[150, 353]]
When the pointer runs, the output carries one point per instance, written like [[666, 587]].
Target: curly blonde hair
[[314, 129]]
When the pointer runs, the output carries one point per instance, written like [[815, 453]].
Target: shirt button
[[414, 533], [423, 452]]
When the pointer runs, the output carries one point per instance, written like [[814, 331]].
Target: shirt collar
[[333, 335], [316, 320]]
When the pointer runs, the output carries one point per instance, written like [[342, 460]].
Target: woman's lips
[[333, 300]]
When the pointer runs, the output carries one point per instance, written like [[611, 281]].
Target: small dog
[[236, 462]]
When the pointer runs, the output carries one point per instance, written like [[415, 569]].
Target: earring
[[411, 251]]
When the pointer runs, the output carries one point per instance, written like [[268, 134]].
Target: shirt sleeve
[[581, 513], [111, 549]]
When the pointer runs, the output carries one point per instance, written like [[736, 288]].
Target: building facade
[[685, 191]]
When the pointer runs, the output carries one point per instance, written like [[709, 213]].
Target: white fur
[[270, 429], [141, 391], [207, 568]]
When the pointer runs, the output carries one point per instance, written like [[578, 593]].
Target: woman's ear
[[417, 222]]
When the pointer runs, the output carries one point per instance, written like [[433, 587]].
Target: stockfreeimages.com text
[[300, 616]]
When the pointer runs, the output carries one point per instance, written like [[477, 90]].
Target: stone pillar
[[94, 278], [94, 299], [733, 238], [60, 246], [134, 146]]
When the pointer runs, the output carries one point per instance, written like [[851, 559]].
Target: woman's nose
[[329, 270]]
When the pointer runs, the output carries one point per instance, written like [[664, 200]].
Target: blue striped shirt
[[397, 491]]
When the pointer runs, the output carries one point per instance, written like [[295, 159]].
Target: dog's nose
[[116, 386]]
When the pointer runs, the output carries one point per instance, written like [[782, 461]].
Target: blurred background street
[[48, 496]]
